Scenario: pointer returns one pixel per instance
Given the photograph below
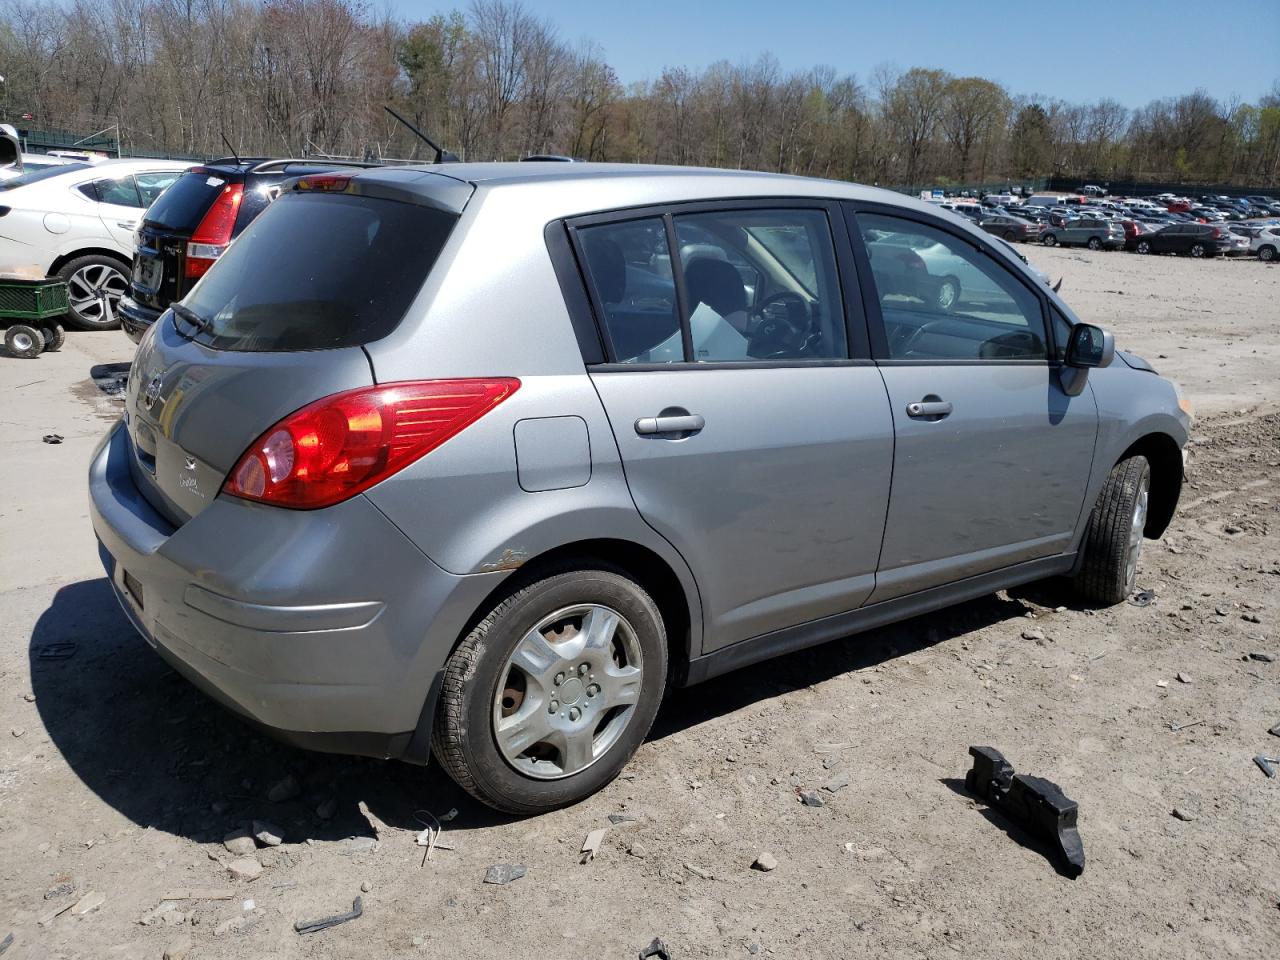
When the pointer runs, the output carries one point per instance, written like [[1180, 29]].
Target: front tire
[[551, 693], [1095, 243], [1144, 246], [1266, 254], [1049, 240], [1113, 538], [95, 284], [1197, 250]]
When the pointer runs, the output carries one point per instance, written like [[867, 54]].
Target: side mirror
[[1090, 346]]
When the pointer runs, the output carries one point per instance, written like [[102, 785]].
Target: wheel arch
[[76, 254], [1165, 457]]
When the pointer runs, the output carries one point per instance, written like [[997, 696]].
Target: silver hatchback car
[[481, 459]]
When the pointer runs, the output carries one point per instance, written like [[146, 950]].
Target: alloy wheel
[[568, 691], [95, 291], [1137, 524]]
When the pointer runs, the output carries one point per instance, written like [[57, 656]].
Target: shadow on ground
[[162, 754]]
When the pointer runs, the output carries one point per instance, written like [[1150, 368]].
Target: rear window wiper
[[190, 316]]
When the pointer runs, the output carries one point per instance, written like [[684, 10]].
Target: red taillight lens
[[336, 447], [214, 232]]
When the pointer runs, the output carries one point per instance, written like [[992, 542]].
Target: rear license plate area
[[133, 588]]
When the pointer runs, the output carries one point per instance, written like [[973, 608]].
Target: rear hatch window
[[316, 271], [187, 200]]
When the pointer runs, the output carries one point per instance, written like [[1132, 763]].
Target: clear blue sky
[[1082, 50]]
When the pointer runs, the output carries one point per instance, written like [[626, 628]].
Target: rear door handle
[[689, 423], [929, 408]]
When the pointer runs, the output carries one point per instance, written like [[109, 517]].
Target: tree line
[[495, 81]]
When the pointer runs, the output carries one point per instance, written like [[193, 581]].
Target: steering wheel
[[782, 327]]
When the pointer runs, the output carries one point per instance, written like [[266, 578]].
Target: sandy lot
[[118, 781]]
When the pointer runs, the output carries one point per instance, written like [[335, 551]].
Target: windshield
[[316, 271], [42, 173]]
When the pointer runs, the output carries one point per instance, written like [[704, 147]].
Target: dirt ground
[[118, 781]]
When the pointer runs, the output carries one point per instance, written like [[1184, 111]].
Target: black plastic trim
[[574, 290]]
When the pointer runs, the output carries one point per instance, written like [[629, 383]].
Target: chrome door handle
[[929, 408], [127, 224], [690, 423]]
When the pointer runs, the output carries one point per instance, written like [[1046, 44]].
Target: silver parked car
[[479, 459]]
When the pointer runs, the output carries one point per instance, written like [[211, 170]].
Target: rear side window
[[121, 192], [186, 201], [629, 265], [317, 271]]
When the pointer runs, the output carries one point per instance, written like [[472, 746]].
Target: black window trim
[[871, 299], [586, 313]]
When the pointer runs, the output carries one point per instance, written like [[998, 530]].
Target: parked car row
[[1214, 226]]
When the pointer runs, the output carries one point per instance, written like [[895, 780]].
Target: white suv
[[1267, 244], [77, 222]]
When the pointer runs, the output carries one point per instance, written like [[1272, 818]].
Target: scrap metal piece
[[1266, 764], [1037, 804], [655, 951], [315, 926], [6, 943], [504, 873]]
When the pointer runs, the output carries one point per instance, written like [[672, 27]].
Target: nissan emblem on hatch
[[190, 463], [152, 393]]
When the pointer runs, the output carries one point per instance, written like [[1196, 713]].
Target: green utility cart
[[30, 311]]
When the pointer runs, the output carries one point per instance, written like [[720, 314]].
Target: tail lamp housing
[[213, 234], [343, 444]]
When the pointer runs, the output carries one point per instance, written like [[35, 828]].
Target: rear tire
[[1095, 243], [1010, 236], [54, 337], [1049, 240], [95, 284], [1113, 537], [23, 341], [569, 716]]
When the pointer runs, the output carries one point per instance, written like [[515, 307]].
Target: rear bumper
[[326, 628], [135, 318]]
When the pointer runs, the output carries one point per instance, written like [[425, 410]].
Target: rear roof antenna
[[228, 145], [442, 155]]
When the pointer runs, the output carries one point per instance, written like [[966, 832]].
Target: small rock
[[1275, 731], [359, 845], [283, 790], [1231, 529], [29, 697], [267, 834], [753, 949], [617, 818], [63, 886], [1250, 617], [172, 918], [810, 798], [248, 906], [245, 868], [504, 873], [638, 850], [239, 843], [366, 886], [1261, 657], [1035, 633], [178, 949], [1183, 677], [765, 863], [699, 872], [90, 902], [328, 807], [1183, 815], [1162, 683], [18, 731], [839, 781], [233, 925]]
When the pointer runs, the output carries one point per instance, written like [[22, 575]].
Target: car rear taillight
[[337, 447], [1215, 233], [214, 232], [324, 182]]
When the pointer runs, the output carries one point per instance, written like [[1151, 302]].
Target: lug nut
[[593, 690], [559, 679], [555, 705], [582, 670], [574, 713]]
